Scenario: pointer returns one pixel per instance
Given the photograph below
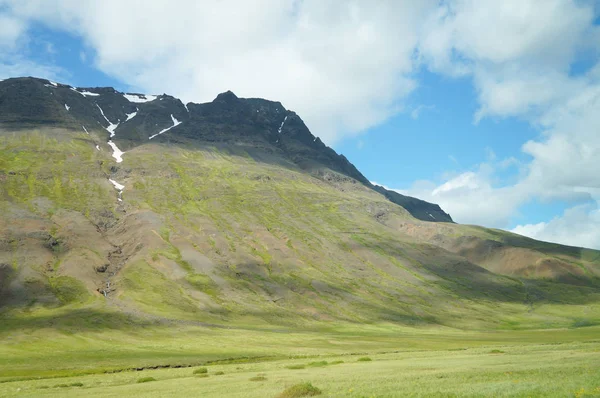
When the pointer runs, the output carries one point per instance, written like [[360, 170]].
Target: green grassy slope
[[207, 238]]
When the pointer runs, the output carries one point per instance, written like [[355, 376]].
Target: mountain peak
[[227, 96]]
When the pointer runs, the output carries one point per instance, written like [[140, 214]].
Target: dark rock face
[[137, 119], [416, 207]]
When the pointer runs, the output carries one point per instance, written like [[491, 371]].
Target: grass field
[[367, 362]]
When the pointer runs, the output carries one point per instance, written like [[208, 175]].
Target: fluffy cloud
[[578, 226], [471, 198], [11, 30], [521, 66], [518, 52]]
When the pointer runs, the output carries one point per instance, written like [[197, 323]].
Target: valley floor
[[347, 362]]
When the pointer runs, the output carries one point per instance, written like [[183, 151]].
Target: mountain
[[255, 124], [233, 213]]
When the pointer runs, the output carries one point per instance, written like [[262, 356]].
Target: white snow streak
[[111, 127], [130, 116], [282, 123], [118, 187], [431, 216], [84, 129], [85, 93], [139, 98], [67, 107], [175, 123], [117, 153], [98, 147], [54, 84], [88, 93], [186, 108]]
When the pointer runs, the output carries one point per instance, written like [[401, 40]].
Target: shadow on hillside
[[70, 320], [469, 281], [510, 239]]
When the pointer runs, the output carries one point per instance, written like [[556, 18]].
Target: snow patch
[[111, 127], [130, 116], [88, 93], [175, 123], [119, 188], [139, 98], [117, 153], [84, 93], [98, 147], [431, 216], [186, 108], [282, 123], [84, 129], [51, 82], [67, 107]]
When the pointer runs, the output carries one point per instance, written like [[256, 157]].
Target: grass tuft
[[299, 366], [200, 371], [300, 390], [258, 378], [364, 359], [146, 379]]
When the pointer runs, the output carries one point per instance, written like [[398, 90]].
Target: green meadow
[[351, 362]]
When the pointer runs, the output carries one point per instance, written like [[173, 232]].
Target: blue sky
[[487, 108]]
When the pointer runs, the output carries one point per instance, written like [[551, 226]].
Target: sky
[[488, 108]]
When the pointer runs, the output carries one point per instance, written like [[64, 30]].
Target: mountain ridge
[[133, 119], [230, 229]]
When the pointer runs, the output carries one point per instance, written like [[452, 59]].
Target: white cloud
[[470, 197], [578, 226], [11, 29], [518, 51], [519, 54]]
